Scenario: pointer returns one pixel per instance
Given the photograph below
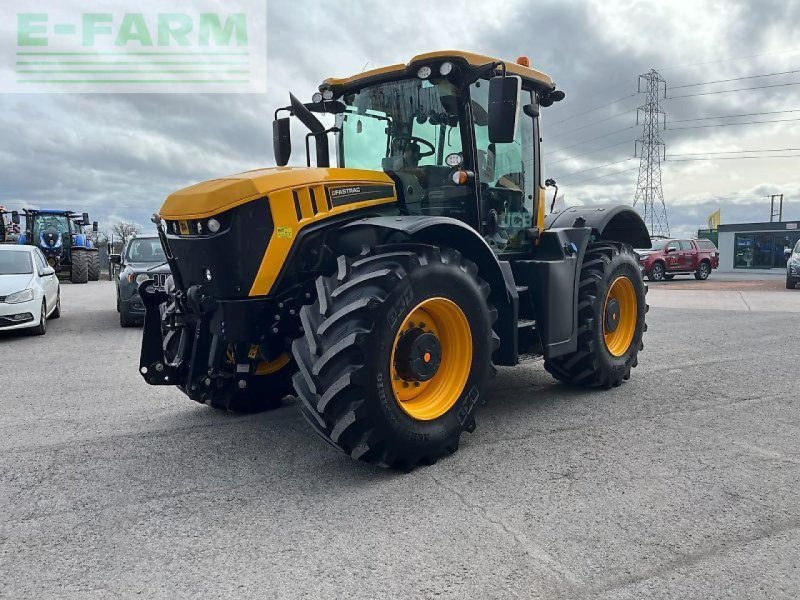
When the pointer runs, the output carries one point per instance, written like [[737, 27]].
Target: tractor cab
[[456, 132]]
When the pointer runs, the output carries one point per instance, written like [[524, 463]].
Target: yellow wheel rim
[[447, 331], [620, 314], [268, 367]]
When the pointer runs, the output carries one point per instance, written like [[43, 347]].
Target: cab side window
[[505, 174], [41, 263], [686, 245], [672, 247]]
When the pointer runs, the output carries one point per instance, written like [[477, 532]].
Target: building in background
[[753, 246]]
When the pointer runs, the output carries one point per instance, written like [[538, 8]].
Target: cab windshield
[[44, 222], [146, 250], [408, 129]]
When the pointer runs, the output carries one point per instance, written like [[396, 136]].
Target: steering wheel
[[411, 138]]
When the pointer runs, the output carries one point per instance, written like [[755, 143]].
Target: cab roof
[[530, 76]]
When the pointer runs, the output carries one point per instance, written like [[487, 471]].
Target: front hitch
[[152, 365]]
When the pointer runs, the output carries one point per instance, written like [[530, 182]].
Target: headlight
[[142, 277], [17, 297], [446, 68], [424, 72], [213, 225]]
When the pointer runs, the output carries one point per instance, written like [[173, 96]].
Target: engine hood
[[217, 195], [10, 284], [148, 267]]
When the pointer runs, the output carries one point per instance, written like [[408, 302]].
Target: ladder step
[[522, 289], [524, 323]]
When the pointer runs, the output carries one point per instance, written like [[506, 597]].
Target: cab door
[[689, 256], [49, 283], [672, 258]]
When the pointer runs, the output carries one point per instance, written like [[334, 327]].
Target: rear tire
[[594, 364], [349, 382], [93, 266], [703, 271], [79, 272]]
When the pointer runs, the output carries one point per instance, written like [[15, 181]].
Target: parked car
[[670, 257], [142, 258], [792, 266], [29, 289]]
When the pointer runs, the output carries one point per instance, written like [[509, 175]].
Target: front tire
[[396, 354], [41, 328], [790, 283], [657, 272], [57, 312], [611, 319]]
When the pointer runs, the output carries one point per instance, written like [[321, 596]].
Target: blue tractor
[[61, 235]]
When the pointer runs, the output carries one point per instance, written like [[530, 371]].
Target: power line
[[729, 124], [593, 123], [599, 167], [588, 140], [735, 152], [734, 157], [771, 112], [758, 87], [600, 176], [586, 112], [591, 151], [723, 60], [677, 87]]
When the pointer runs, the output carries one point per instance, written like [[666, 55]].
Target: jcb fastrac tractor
[[386, 287]]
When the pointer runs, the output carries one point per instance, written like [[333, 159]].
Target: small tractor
[[384, 290], [61, 236]]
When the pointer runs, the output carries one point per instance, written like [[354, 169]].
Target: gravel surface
[[682, 483]]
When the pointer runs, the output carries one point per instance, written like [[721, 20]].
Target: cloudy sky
[[119, 155]]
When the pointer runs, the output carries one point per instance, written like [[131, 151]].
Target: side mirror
[[15, 217], [94, 227], [47, 271], [85, 218], [282, 140], [504, 95], [670, 249], [787, 252], [115, 258]]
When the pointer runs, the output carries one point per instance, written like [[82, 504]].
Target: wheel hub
[[418, 355], [612, 315]]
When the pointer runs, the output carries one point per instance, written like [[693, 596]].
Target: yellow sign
[[714, 219], [285, 232], [253, 351], [184, 227]]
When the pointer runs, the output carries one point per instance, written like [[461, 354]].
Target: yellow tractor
[[383, 290]]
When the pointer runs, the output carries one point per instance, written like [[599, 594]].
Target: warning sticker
[[285, 232]]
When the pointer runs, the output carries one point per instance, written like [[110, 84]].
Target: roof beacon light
[[446, 68], [524, 61], [424, 72]]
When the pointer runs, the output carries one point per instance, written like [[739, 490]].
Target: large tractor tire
[[93, 266], [611, 319], [265, 390], [396, 353], [79, 272]]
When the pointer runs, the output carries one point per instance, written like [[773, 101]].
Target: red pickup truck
[[668, 258]]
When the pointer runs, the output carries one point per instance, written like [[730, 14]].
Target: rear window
[[706, 245]]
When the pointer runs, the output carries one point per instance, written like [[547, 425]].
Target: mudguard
[[612, 222], [460, 236]]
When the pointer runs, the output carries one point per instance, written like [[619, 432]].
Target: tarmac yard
[[682, 483]]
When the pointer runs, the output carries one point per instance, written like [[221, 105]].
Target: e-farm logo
[[197, 46]]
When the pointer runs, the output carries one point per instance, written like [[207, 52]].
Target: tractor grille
[[160, 280]]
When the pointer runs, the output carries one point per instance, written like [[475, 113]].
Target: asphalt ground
[[682, 483]]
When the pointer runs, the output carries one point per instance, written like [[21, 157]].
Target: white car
[[29, 289]]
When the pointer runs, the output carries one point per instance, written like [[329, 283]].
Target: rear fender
[[614, 223]]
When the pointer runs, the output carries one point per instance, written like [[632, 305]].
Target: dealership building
[[753, 246]]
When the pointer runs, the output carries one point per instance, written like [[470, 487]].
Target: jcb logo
[[468, 405], [396, 311]]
